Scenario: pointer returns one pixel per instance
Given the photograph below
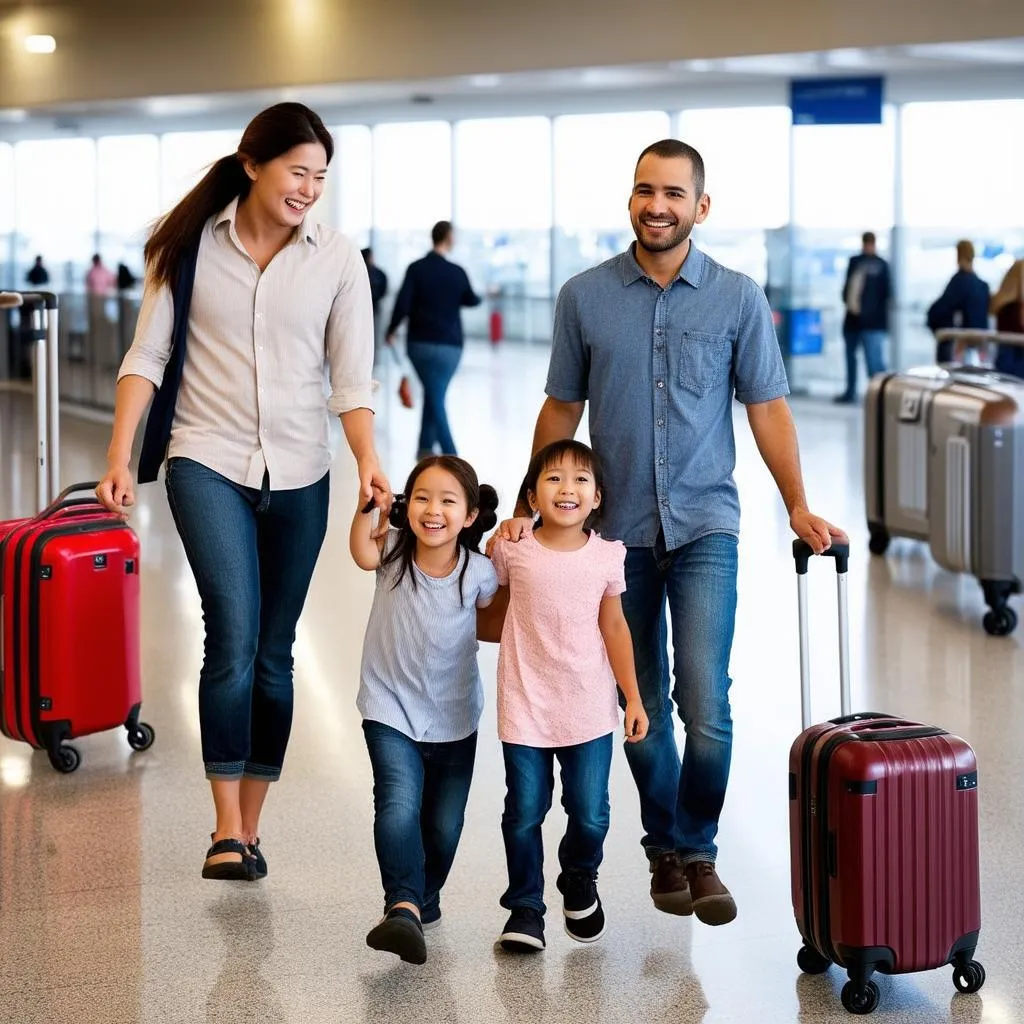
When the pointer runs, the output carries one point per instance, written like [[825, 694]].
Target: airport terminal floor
[[104, 916]]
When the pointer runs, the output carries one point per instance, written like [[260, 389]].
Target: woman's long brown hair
[[268, 135]]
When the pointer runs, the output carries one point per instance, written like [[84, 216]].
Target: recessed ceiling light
[[40, 44], [485, 81]]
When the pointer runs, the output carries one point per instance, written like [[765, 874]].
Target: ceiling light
[[485, 81], [40, 44]]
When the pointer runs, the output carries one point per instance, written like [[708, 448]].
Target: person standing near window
[[964, 303], [866, 294], [237, 360]]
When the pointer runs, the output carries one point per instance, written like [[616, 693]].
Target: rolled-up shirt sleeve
[[349, 340], [151, 347], [760, 373]]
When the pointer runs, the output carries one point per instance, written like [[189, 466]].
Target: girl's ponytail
[[486, 520]]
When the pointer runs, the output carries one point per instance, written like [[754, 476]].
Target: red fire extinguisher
[[497, 326]]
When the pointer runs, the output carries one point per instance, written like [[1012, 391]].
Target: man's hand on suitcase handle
[[815, 531]]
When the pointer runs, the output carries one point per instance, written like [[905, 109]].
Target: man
[[866, 294], [964, 303], [378, 289], [658, 340], [431, 296]]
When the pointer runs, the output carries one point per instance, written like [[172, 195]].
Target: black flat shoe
[[402, 934], [228, 870], [257, 862]]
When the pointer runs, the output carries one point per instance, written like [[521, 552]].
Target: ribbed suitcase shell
[[70, 625], [884, 843]]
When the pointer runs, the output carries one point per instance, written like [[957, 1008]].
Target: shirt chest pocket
[[705, 361]]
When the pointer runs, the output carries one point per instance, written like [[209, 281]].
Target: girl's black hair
[[480, 497], [577, 452]]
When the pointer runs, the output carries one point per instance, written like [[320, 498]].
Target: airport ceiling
[[539, 91]]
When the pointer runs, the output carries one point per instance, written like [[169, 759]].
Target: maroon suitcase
[[883, 837]]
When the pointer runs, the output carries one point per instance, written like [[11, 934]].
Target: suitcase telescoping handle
[[802, 554], [41, 310]]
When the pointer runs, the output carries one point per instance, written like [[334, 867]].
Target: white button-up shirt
[[252, 396]]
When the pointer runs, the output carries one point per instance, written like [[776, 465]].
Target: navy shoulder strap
[[161, 411]]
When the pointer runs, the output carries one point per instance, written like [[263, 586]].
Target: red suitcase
[[884, 847], [69, 592]]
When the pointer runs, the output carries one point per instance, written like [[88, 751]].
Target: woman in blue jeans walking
[[235, 351]]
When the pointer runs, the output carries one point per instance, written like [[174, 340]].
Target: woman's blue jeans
[[252, 553], [435, 365], [419, 803]]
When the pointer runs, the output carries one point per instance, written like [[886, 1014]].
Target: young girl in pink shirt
[[564, 646]]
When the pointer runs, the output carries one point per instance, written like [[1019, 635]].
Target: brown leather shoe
[[669, 888], [712, 902]]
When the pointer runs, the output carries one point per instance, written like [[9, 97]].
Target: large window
[[594, 159], [129, 196], [412, 189], [55, 215], [6, 215], [843, 185], [186, 156], [352, 181], [503, 220], [746, 160]]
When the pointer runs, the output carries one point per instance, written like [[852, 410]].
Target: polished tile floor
[[103, 915]]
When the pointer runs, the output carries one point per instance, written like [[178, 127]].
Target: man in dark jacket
[[432, 296], [866, 294], [964, 303], [378, 289]]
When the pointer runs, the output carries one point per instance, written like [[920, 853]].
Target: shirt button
[[658, 331], [661, 462], [664, 501], [661, 383], [661, 423]]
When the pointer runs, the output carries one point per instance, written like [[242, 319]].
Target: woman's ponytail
[[181, 228]]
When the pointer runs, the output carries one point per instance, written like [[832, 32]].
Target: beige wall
[[113, 49]]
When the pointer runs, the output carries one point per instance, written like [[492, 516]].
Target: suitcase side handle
[[802, 553]]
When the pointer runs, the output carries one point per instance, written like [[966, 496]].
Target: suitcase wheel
[[878, 541], [860, 998], [1000, 621], [141, 737], [810, 961], [66, 759], [970, 979]]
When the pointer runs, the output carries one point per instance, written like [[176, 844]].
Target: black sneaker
[[431, 919], [523, 932], [581, 906]]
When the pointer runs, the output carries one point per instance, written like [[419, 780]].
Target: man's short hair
[[441, 231], [668, 149], [868, 238], [965, 251]]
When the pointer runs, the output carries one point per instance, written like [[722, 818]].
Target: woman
[[240, 416], [1007, 306]]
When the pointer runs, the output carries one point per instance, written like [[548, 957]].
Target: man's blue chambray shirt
[[660, 368]]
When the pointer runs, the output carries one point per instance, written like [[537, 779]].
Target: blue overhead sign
[[836, 100]]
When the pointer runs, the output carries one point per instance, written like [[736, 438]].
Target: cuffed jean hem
[[224, 771], [233, 771], [706, 857]]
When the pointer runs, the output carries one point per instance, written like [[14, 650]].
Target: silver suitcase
[[976, 487], [896, 414]]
